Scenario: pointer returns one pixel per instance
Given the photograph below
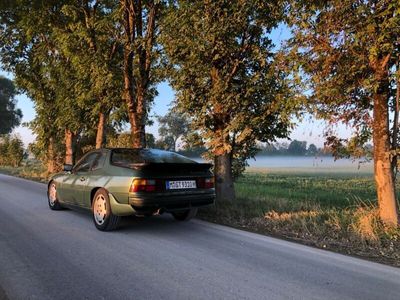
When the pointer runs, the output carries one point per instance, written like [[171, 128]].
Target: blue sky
[[309, 130]]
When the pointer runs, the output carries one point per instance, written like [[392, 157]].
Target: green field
[[294, 190], [260, 193]]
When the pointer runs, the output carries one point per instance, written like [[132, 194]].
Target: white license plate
[[182, 184]]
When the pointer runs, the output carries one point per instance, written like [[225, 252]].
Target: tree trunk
[[223, 177], [69, 137], [129, 32], [383, 172], [100, 131], [51, 162], [134, 31]]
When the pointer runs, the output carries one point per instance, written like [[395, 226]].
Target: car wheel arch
[[93, 192], [48, 184]]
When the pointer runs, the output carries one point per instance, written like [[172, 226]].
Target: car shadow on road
[[164, 223]]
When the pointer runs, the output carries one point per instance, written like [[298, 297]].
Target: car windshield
[[127, 157]]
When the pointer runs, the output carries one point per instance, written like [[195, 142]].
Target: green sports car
[[121, 182]]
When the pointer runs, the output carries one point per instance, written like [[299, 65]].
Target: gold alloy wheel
[[100, 209]]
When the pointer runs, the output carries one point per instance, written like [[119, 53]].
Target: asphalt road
[[60, 255]]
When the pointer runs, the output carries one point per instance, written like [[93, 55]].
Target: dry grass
[[29, 169], [303, 209]]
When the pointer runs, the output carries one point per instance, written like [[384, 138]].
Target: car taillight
[[205, 183], [146, 185], [209, 183]]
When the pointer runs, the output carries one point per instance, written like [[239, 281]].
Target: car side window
[[85, 163], [99, 161]]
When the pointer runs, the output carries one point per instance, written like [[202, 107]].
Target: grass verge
[[29, 169], [335, 212]]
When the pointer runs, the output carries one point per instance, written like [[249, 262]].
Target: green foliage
[[166, 143], [150, 141], [193, 145], [312, 150], [89, 39], [298, 147], [222, 66], [10, 116], [11, 151], [336, 52], [124, 140], [172, 126], [66, 57]]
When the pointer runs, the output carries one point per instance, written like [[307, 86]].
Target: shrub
[[11, 151]]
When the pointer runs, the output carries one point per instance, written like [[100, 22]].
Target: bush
[[11, 151]]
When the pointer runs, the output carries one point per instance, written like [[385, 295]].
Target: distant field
[[309, 164], [291, 190]]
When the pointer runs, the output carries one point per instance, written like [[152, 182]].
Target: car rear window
[[127, 157]]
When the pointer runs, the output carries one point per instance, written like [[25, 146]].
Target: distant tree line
[[300, 148], [295, 147]]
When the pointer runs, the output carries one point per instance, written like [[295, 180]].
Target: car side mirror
[[68, 168]]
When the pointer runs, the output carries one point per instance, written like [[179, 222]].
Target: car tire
[[52, 198], [103, 218], [185, 215]]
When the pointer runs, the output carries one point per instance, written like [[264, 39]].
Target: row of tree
[[92, 65], [295, 147]]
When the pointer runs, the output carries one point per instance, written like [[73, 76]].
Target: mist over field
[[305, 164]]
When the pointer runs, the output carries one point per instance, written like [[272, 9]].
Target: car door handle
[[82, 178]]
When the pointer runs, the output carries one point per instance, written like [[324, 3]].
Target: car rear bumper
[[170, 202]]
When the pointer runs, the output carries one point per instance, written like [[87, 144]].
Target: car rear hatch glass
[[159, 162]]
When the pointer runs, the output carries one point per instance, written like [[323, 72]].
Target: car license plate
[[182, 184]]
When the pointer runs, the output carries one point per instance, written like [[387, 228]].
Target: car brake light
[[205, 183], [209, 183], [145, 185]]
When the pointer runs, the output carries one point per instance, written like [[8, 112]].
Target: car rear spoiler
[[196, 167]]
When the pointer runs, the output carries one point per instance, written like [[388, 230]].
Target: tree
[[312, 150], [15, 22], [11, 151], [173, 125], [90, 40], [139, 21], [347, 53], [150, 140], [297, 147], [10, 116], [15, 151], [4, 142], [165, 143], [29, 49], [222, 66], [193, 145], [64, 55]]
